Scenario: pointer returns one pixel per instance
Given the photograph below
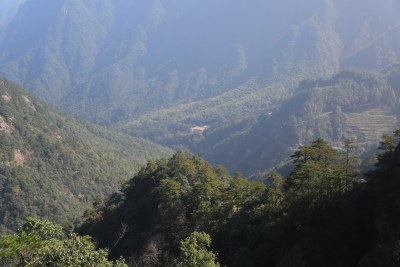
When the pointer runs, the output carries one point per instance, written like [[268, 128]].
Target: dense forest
[[255, 137], [156, 69], [322, 214], [181, 211], [112, 61], [53, 166], [356, 105]]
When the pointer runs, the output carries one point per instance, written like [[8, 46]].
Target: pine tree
[[318, 172]]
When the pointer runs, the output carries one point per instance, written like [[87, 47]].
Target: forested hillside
[[158, 69], [359, 106], [114, 60], [181, 211], [289, 93], [355, 105], [54, 166]]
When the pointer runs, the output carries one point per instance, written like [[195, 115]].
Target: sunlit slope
[[54, 166], [356, 105]]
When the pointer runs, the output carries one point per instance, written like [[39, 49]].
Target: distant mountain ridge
[[156, 69], [8, 8], [54, 166], [113, 60], [354, 105]]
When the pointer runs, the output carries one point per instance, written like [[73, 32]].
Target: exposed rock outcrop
[[5, 127]]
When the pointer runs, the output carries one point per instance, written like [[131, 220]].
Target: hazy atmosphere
[[200, 132]]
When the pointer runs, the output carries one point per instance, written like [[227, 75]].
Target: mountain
[[320, 215], [355, 105], [8, 8], [54, 166], [113, 60], [157, 69]]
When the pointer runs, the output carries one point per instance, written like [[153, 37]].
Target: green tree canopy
[[41, 243], [319, 172], [194, 251]]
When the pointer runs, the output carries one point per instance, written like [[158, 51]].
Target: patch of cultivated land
[[369, 126]]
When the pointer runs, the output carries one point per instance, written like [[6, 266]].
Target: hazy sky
[[8, 9]]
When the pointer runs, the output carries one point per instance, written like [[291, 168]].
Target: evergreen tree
[[351, 163], [315, 173], [275, 180]]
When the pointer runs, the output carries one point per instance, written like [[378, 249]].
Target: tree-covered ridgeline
[[104, 58], [322, 214], [181, 211], [53, 166], [84, 57], [352, 104]]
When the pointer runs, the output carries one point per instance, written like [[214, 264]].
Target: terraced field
[[368, 126]]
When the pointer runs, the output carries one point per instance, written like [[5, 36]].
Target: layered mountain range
[[157, 69], [293, 93]]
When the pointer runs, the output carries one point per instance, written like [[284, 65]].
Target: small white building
[[199, 129]]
